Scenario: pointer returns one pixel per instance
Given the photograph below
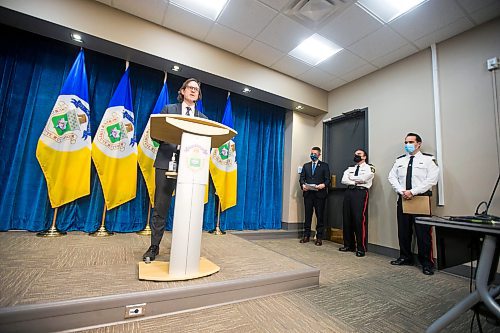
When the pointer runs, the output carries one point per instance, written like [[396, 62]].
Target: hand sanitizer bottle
[[172, 165]]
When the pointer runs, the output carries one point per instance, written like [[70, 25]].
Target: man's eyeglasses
[[193, 88]]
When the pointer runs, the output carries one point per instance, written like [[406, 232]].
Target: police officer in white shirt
[[413, 174], [358, 179]]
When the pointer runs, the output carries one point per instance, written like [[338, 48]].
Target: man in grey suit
[[189, 93]]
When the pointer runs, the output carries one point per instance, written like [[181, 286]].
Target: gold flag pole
[[102, 232], [147, 229], [52, 231], [217, 230]]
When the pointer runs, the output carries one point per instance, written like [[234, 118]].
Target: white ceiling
[[264, 31]]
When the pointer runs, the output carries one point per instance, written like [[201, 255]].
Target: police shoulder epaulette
[[427, 154], [401, 156]]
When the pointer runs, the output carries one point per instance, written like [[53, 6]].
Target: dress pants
[[406, 222], [163, 195], [317, 204], [355, 219]]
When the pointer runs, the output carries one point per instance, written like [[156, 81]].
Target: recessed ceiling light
[[314, 50], [77, 37], [388, 10], [246, 90], [299, 107], [209, 9], [176, 68]]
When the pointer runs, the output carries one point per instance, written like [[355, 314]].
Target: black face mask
[[357, 158]]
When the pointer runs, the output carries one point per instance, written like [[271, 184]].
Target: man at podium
[[189, 93]]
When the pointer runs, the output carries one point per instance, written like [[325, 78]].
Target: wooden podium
[[196, 136]]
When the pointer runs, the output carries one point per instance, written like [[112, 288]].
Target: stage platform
[[54, 284]]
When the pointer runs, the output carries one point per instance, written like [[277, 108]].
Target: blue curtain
[[33, 70]]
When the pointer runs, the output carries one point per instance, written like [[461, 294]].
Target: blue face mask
[[410, 147], [314, 157]]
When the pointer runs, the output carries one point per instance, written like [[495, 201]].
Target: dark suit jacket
[[166, 149], [321, 176]]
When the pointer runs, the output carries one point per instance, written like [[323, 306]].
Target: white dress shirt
[[424, 175], [363, 179]]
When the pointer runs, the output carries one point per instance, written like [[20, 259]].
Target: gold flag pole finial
[[102, 232], [147, 229], [52, 231]]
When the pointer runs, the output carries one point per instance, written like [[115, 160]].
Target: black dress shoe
[[346, 249], [151, 253], [318, 242], [427, 270], [304, 240], [402, 262], [360, 253]]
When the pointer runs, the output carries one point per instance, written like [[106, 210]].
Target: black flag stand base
[[52, 231], [217, 230]]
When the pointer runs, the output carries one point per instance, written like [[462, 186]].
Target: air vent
[[313, 13]]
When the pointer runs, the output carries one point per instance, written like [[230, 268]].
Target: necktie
[[314, 167], [188, 111], [409, 172], [357, 170]]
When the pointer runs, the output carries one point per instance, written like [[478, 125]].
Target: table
[[483, 291]]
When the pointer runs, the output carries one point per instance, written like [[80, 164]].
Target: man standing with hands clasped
[[413, 174], [314, 179], [358, 179]]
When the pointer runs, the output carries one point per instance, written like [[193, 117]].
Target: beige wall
[[400, 99]]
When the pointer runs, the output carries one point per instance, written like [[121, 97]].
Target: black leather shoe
[[402, 262], [318, 242], [304, 240], [346, 249], [427, 270], [151, 253], [360, 253]]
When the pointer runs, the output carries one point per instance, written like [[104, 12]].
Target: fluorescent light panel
[[314, 50], [206, 8], [388, 10]]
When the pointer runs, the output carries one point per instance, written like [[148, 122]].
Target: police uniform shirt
[[364, 177], [425, 173]]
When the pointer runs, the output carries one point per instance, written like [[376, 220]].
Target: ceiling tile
[[377, 44], [227, 39], [450, 30], [152, 10], [284, 34], [472, 6], [394, 56], [186, 23], [429, 17], [486, 13], [276, 4], [341, 63], [247, 17], [350, 26], [316, 77], [107, 2], [261, 53], [335, 83], [291, 66], [359, 72]]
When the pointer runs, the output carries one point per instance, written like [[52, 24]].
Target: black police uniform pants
[[355, 219], [406, 223], [163, 195], [313, 203]]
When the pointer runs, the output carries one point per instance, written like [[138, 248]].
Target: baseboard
[[80, 313]]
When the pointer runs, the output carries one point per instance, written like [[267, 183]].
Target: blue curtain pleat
[[33, 70]]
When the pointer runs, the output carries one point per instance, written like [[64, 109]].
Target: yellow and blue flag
[[114, 149], [64, 148], [148, 147], [223, 167]]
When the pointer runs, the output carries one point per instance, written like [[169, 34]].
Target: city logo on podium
[[196, 157]]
